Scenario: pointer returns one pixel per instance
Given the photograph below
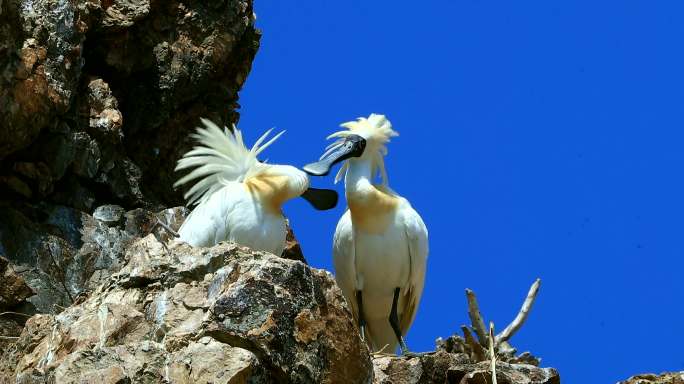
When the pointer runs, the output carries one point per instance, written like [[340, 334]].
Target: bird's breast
[[372, 211]]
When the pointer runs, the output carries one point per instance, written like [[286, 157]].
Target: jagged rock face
[[97, 98], [651, 378], [443, 367], [63, 253], [13, 294], [222, 314], [13, 290]]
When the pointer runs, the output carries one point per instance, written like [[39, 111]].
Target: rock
[[13, 305], [67, 252], [220, 314], [16, 185], [650, 378], [105, 118], [39, 175], [109, 214], [87, 159], [293, 250], [443, 367], [13, 290], [40, 52], [36, 329], [73, 194]]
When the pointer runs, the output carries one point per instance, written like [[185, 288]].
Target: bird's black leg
[[362, 319], [394, 322]]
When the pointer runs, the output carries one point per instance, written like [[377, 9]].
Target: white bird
[[239, 198], [380, 245]]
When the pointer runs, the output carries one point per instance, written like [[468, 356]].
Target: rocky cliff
[[96, 102]]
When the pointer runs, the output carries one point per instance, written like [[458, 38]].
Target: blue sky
[[537, 139]]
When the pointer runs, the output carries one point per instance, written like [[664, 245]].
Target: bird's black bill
[[321, 199], [352, 146]]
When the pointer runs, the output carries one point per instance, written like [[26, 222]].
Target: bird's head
[[363, 139], [279, 183]]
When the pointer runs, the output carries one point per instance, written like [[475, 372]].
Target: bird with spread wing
[[239, 198]]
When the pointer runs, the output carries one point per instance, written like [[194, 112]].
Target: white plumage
[[380, 243], [238, 198]]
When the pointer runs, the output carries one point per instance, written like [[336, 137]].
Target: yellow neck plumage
[[270, 190], [372, 207]]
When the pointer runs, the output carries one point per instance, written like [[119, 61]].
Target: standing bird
[[239, 198], [380, 245]]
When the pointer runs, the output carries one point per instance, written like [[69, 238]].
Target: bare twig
[[515, 325], [474, 345], [380, 352], [476, 317], [165, 226], [14, 313], [9, 337], [492, 354]]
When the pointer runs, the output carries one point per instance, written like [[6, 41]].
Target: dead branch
[[474, 345], [492, 354], [476, 316], [14, 313], [515, 325]]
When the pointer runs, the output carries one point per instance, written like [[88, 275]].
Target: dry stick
[[474, 345], [515, 325], [492, 355], [476, 317], [14, 313], [9, 337], [167, 227]]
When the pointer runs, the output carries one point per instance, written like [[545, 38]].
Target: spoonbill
[[237, 197], [380, 245]]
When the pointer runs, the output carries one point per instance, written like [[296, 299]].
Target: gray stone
[[109, 214]]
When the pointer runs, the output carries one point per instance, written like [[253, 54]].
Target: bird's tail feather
[[220, 157]]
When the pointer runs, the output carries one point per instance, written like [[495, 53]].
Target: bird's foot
[[406, 353]]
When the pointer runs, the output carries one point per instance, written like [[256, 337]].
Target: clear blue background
[[537, 139]]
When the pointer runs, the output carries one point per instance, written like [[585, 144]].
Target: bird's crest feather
[[220, 157], [377, 130]]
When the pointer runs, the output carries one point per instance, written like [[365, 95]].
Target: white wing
[[344, 260], [208, 223], [417, 236]]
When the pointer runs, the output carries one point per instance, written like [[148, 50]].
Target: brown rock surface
[[13, 290], [96, 97], [443, 367], [207, 315], [651, 378]]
